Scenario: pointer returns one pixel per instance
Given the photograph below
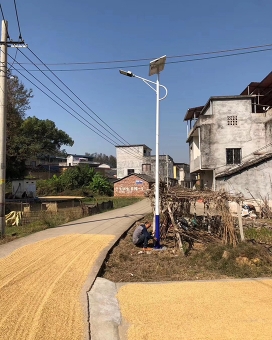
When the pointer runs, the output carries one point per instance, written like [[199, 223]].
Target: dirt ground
[[128, 263]]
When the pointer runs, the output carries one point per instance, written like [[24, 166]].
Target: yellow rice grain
[[222, 310], [40, 287]]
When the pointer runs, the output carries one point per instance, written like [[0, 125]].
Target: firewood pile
[[178, 213]]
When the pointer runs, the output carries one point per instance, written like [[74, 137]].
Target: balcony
[[195, 164]]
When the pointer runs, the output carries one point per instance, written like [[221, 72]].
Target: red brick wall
[[131, 186]]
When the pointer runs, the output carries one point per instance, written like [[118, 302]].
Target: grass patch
[[261, 234]]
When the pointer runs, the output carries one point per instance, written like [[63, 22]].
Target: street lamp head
[[157, 65], [127, 73]]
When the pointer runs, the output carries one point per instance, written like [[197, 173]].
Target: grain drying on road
[[221, 310], [41, 285]]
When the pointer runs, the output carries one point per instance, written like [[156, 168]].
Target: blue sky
[[66, 31]]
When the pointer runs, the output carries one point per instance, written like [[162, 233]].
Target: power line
[[20, 34], [123, 140], [144, 65], [107, 138], [148, 59], [59, 104], [64, 102]]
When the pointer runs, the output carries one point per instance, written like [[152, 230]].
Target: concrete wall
[[131, 186], [165, 170], [130, 158], [216, 135], [257, 179]]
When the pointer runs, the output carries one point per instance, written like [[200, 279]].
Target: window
[[146, 167], [233, 156], [130, 171], [232, 120]]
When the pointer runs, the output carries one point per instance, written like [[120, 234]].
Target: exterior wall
[[216, 135], [166, 167], [74, 160], [195, 162], [131, 186], [135, 156], [130, 158], [256, 180], [25, 186]]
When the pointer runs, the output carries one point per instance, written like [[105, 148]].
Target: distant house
[[137, 159], [131, 159], [107, 171], [133, 185], [182, 174], [74, 160], [45, 166]]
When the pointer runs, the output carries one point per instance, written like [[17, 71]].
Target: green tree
[[18, 102], [101, 185], [77, 177], [31, 136]]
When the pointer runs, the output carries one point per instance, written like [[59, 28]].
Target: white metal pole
[[167, 172], [3, 113], [157, 180]]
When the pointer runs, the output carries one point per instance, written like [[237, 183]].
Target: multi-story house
[[182, 175], [228, 135], [131, 159], [138, 159], [74, 160]]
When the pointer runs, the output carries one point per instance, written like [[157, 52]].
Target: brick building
[[133, 185]]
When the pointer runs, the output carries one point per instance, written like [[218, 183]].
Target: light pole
[[155, 67]]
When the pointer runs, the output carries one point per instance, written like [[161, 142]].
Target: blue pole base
[[157, 232]]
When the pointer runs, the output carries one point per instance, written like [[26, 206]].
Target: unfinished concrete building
[[230, 135], [137, 159]]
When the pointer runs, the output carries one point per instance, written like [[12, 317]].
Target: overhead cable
[[101, 134], [123, 140], [20, 34], [167, 62], [148, 59]]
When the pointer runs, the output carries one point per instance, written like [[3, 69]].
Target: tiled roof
[[245, 165], [146, 178]]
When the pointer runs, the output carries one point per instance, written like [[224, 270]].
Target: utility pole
[[3, 117]]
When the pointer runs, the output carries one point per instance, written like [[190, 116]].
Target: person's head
[[147, 224]]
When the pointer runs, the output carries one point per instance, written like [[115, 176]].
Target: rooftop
[[262, 90], [132, 145], [146, 178], [245, 165]]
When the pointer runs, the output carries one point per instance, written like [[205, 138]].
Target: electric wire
[[107, 138], [59, 104], [20, 34], [148, 59], [167, 62], [122, 140], [65, 103]]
